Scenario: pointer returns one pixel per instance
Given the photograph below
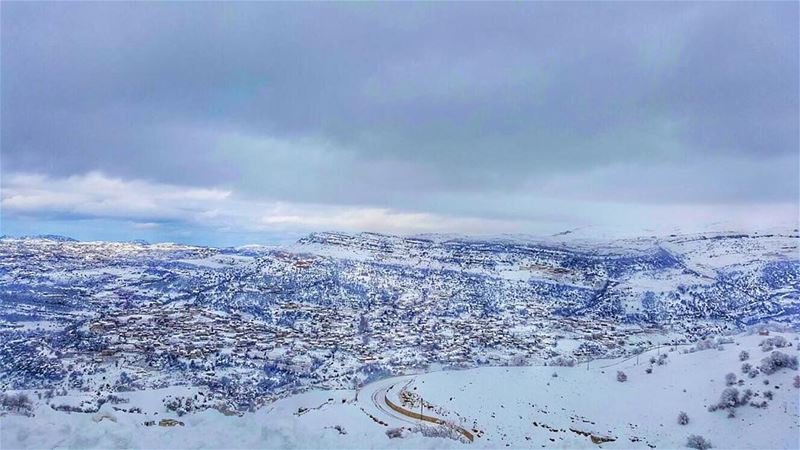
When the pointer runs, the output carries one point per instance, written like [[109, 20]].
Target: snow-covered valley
[[515, 342]]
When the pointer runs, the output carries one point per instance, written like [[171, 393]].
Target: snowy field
[[505, 407], [555, 407]]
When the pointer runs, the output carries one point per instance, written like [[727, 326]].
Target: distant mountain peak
[[50, 237]]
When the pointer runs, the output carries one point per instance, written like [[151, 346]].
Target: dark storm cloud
[[483, 108]]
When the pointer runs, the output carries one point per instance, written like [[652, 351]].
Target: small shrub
[[698, 442], [648, 370], [768, 395], [797, 381], [564, 361], [621, 377], [704, 344], [746, 396], [179, 405], [730, 379], [744, 356], [394, 433], [440, 431], [768, 344], [776, 361], [683, 418], [72, 409], [730, 399], [746, 368], [115, 400], [18, 403]]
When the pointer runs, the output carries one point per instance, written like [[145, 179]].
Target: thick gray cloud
[[480, 110]]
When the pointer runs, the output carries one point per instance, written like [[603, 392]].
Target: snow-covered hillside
[[516, 407], [254, 326], [565, 407]]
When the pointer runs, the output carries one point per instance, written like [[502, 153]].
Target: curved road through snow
[[373, 400]]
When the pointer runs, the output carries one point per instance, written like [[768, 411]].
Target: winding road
[[373, 399]]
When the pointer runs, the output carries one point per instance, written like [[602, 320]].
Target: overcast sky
[[230, 123]]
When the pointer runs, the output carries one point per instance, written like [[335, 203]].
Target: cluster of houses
[[200, 337], [284, 320]]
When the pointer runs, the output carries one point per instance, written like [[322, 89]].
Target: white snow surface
[[510, 407]]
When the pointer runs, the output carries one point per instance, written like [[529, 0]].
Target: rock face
[[602, 439], [169, 423]]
